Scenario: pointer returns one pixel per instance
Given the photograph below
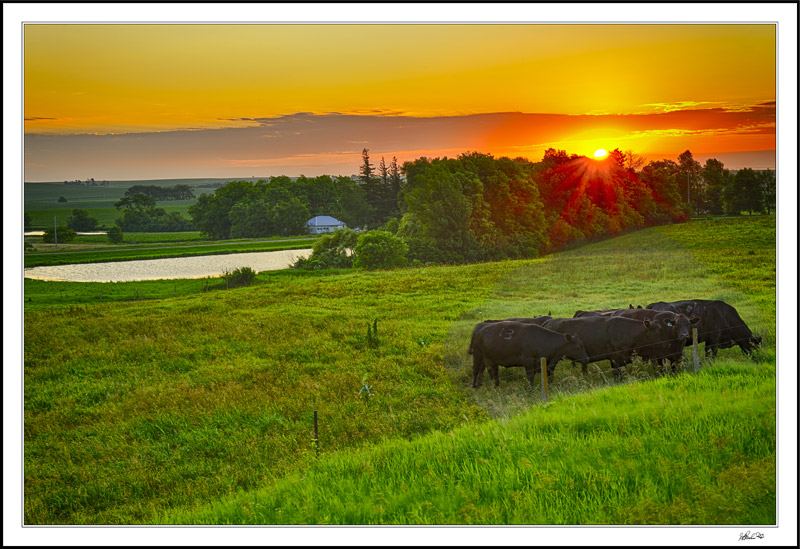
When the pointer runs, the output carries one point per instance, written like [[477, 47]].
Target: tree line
[[476, 207], [280, 206], [159, 193]]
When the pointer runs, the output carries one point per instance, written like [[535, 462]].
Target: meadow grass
[[690, 449], [151, 411], [92, 252]]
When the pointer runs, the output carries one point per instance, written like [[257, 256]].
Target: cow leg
[[530, 373], [615, 367], [477, 369], [493, 373]]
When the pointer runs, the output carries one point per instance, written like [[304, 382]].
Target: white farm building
[[323, 224]]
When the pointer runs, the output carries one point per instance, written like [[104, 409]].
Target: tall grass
[[143, 411], [692, 449]]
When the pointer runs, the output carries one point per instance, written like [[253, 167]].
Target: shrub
[[380, 250], [115, 234], [62, 198], [63, 234], [243, 276], [332, 251]]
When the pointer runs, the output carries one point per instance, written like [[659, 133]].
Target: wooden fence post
[[544, 378], [694, 350]]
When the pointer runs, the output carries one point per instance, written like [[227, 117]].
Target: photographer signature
[[748, 535]]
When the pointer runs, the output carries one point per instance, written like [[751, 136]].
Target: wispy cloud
[[331, 143]]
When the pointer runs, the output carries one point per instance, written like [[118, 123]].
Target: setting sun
[[600, 153]]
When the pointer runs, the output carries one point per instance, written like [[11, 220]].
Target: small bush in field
[[332, 251], [115, 234], [243, 276], [61, 234], [380, 250]]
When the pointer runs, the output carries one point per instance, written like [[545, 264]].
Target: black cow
[[613, 338], [676, 327], [509, 343], [604, 312], [599, 312], [720, 326]]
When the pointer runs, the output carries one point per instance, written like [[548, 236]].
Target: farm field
[[41, 199], [196, 407], [87, 249]]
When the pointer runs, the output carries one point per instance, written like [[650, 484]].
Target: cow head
[[574, 349], [678, 325]]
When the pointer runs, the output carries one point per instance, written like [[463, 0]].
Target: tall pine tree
[[368, 181]]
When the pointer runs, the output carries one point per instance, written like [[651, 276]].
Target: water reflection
[[170, 268]]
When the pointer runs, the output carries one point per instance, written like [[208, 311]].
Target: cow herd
[[657, 333]]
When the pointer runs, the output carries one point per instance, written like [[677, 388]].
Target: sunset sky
[[144, 101]]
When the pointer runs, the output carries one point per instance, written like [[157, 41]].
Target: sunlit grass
[[145, 411]]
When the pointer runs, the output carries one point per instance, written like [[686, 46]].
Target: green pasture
[[40, 200], [693, 449], [95, 252], [104, 211], [196, 406]]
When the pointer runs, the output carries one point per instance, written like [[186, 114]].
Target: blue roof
[[323, 220]]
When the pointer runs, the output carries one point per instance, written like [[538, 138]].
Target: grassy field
[[87, 249], [198, 408], [104, 211], [41, 199]]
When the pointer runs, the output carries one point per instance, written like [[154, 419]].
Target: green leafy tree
[[211, 213], [63, 234], [27, 221], [380, 250], [768, 189], [81, 221], [290, 217], [715, 179], [140, 214], [690, 170], [472, 208], [115, 234], [663, 178], [745, 193]]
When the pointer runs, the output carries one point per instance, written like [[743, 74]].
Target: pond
[[169, 268]]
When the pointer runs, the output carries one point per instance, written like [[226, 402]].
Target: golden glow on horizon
[[122, 78], [128, 78]]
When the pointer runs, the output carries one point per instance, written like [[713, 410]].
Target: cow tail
[[471, 344]]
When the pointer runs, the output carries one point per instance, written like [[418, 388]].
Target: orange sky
[[655, 89]]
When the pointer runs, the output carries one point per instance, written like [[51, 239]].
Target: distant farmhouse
[[323, 224]]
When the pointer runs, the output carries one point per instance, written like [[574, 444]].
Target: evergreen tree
[[368, 181]]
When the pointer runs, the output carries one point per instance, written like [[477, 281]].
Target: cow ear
[[549, 313], [630, 305], [695, 319]]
